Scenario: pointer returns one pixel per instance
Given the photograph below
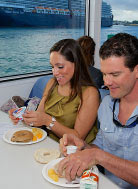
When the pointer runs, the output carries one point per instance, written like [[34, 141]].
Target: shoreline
[[130, 24]]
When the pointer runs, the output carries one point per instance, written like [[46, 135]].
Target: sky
[[124, 10]]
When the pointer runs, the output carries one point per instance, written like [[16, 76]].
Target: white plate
[[62, 181], [7, 136]]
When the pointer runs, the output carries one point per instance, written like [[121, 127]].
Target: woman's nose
[[55, 71]]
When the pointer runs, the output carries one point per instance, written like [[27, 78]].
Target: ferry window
[[125, 18], [25, 41]]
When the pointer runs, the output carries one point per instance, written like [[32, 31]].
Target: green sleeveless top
[[66, 113]]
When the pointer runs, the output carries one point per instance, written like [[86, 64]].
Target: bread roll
[[44, 155], [22, 136], [56, 170]]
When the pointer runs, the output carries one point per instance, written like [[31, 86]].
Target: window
[[25, 48], [125, 18]]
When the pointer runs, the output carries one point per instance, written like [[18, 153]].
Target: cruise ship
[[49, 13], [106, 15]]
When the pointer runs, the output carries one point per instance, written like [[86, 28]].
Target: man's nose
[[107, 80]]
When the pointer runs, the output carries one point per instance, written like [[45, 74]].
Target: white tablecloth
[[19, 170]]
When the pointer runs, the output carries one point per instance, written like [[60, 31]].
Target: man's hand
[[70, 139], [75, 164]]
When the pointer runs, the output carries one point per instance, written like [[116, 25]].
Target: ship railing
[[78, 12], [50, 10], [67, 13], [12, 10], [40, 11], [64, 11], [29, 9]]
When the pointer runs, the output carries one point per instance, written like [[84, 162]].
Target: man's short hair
[[121, 45]]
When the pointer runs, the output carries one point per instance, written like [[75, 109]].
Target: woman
[[88, 47], [70, 101]]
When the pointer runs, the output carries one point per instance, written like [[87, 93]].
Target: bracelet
[[52, 123]]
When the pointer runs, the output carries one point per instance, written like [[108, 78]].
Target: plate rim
[[23, 143], [44, 169]]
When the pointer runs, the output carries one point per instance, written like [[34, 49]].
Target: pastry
[[22, 136], [56, 171], [44, 155]]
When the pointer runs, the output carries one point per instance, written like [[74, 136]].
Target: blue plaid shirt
[[119, 141]]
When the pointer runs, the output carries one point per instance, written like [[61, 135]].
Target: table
[[19, 170]]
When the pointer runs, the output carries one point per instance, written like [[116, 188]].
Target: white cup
[[71, 149]]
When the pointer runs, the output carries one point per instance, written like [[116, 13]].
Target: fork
[[76, 181]]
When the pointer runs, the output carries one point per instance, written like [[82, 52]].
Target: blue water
[[26, 50], [133, 30]]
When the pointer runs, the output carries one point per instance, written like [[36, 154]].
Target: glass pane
[[125, 18], [29, 28]]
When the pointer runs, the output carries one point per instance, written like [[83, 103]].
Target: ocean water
[[133, 30], [26, 50]]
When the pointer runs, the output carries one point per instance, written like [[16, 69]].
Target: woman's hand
[[70, 139], [12, 117], [35, 118]]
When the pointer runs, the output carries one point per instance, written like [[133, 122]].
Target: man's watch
[[52, 123]]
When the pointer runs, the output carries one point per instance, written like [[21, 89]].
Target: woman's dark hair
[[121, 45], [71, 50], [88, 47]]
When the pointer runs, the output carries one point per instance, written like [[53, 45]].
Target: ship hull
[[41, 20], [106, 22], [46, 20]]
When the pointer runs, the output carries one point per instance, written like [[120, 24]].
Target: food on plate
[[90, 178], [38, 133], [22, 136], [52, 174], [45, 155], [56, 171]]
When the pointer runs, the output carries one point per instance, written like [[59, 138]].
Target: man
[[116, 145]]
